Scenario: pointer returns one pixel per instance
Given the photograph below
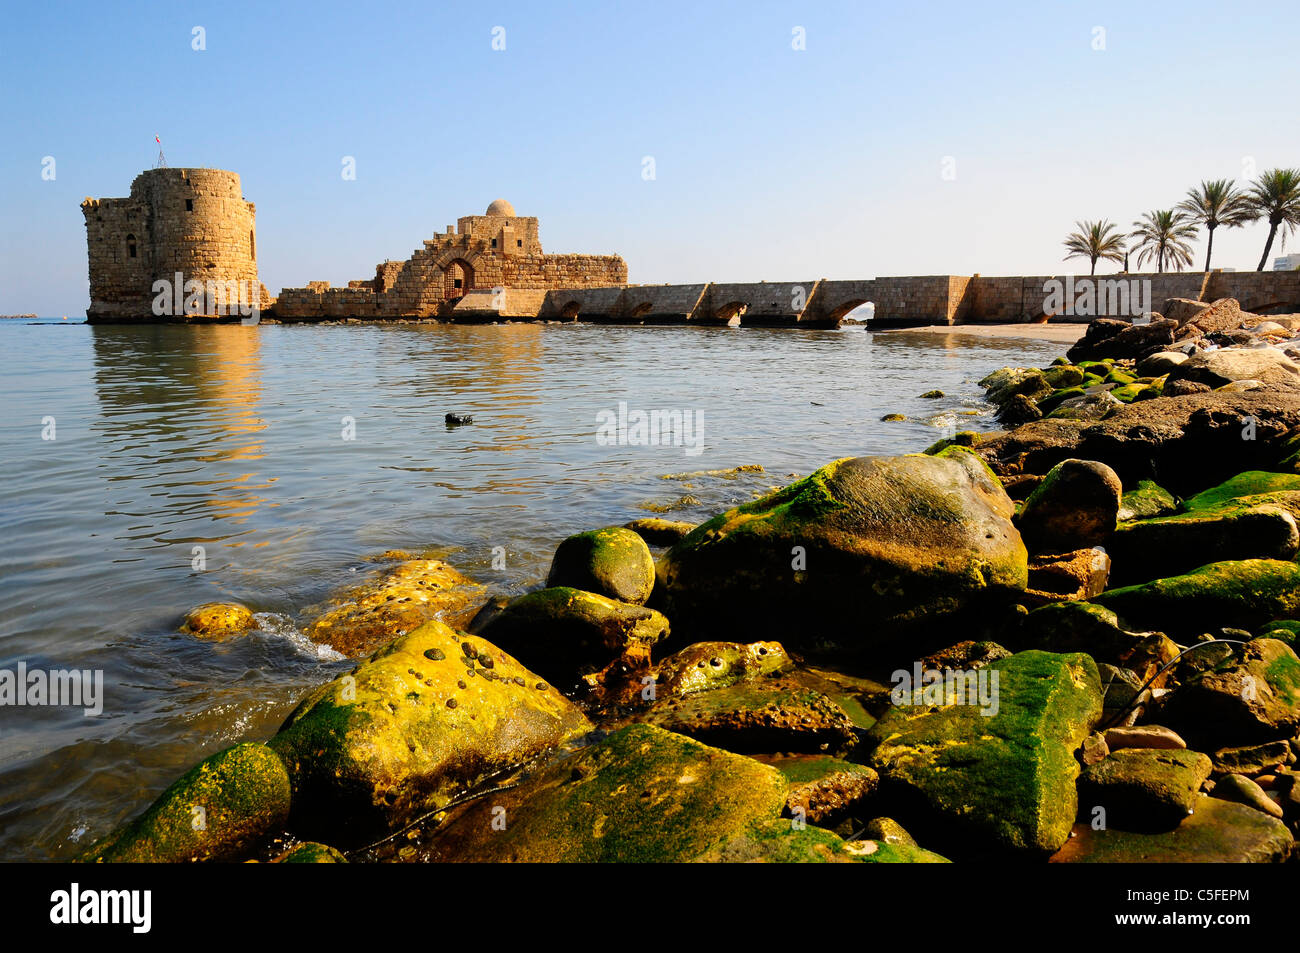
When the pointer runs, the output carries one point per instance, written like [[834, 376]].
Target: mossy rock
[[1216, 832], [657, 531], [861, 552], [1143, 789], [1096, 630], [1056, 398], [1074, 507], [825, 790], [411, 728], [1174, 544], [962, 438], [564, 632], [394, 602], [1236, 594], [1063, 375], [219, 810], [641, 795], [217, 621], [1000, 783], [1248, 695], [311, 852], [613, 562], [1284, 630], [1251, 488], [707, 665], [1146, 500], [781, 842]]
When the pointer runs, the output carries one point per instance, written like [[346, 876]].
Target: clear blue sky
[[771, 163]]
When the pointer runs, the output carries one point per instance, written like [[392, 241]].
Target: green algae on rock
[[311, 852], [1146, 500], [999, 783], [859, 552], [1143, 788], [707, 665], [614, 562], [1096, 630], [1216, 831], [640, 795], [219, 810], [825, 790], [564, 632], [781, 842], [217, 621], [411, 728], [657, 531], [1237, 593]]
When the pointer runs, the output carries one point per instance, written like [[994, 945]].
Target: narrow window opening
[[189, 205]]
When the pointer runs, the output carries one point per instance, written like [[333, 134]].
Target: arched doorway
[[458, 278], [570, 311]]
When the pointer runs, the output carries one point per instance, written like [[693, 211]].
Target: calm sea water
[[232, 438]]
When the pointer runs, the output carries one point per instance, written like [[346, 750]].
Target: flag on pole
[[157, 140]]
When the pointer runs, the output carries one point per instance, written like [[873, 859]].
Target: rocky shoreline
[[1071, 640]]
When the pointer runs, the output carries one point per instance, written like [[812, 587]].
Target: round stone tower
[[178, 226]]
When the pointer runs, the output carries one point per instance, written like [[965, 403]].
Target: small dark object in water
[[457, 420]]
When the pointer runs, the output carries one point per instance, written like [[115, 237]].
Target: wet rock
[[563, 632], [1123, 694], [1170, 545], [1075, 507], [660, 532], [932, 394], [458, 420], [1143, 789], [1252, 695], [1144, 736], [641, 795], [780, 842], [1252, 759], [1250, 488], [311, 852], [892, 418], [1088, 627], [1093, 749], [1146, 500], [613, 562], [1216, 368], [1000, 782], [708, 665], [779, 715], [1018, 409], [1233, 787], [398, 600], [889, 831], [825, 790], [1241, 593], [1063, 375], [1001, 386], [1095, 406], [861, 552], [1217, 831], [219, 810], [373, 749], [217, 621], [964, 656]]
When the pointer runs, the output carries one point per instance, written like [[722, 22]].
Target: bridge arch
[[641, 310], [731, 313], [840, 311], [570, 311]]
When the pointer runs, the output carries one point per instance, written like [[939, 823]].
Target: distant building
[[1286, 263]]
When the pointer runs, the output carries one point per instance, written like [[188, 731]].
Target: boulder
[[1075, 507], [411, 728], [564, 632], [1018, 409], [396, 601], [1160, 363], [825, 790], [1233, 787], [657, 531], [1088, 627], [219, 810], [217, 621], [1146, 500], [1221, 315], [1077, 575], [1217, 368], [862, 552], [1144, 736], [1143, 789], [1104, 339], [1249, 695], [1217, 831], [995, 783], [1086, 406], [1001, 386], [614, 562], [640, 795], [1252, 759], [1183, 310], [1237, 593]]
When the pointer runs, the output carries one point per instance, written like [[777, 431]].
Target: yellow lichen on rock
[[218, 620]]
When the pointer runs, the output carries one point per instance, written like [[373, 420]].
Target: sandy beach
[[1041, 332]]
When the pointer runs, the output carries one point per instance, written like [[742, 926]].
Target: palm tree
[[1094, 240], [1275, 195], [1162, 237], [1215, 203]]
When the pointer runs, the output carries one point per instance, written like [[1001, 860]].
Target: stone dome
[[501, 207]]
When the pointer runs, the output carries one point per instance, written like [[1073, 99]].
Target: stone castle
[[459, 271], [189, 222], [194, 224]]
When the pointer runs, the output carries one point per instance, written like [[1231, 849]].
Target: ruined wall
[[189, 221]]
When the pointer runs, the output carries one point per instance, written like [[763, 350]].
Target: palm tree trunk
[[1268, 245], [1093, 269], [1209, 247]]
